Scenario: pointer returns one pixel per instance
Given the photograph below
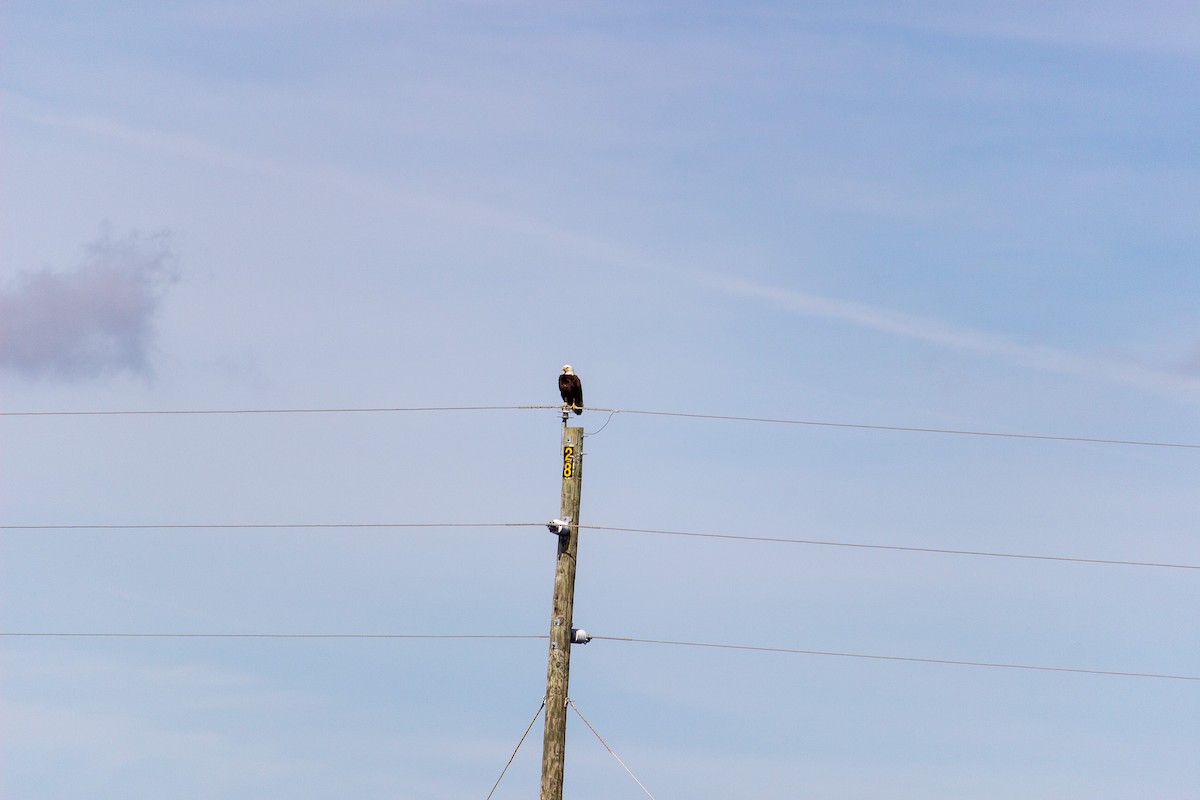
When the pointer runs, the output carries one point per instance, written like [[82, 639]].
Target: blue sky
[[919, 215]]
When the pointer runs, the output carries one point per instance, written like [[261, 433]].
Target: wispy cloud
[[1157, 26], [940, 334], [94, 320]]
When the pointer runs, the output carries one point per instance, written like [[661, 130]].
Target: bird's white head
[[567, 370]]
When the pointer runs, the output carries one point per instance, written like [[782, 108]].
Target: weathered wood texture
[[559, 668]]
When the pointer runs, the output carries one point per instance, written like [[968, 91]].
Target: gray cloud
[[1047, 359], [95, 320]]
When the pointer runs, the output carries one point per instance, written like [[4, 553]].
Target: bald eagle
[[571, 389]]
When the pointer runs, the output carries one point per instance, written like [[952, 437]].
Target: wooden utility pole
[[558, 671]]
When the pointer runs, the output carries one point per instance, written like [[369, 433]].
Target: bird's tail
[[577, 409]]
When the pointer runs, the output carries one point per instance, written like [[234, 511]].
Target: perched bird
[[571, 389]]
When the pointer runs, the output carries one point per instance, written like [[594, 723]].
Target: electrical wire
[[514, 753], [677, 414], [273, 526], [910, 429], [896, 547], [709, 645], [911, 659], [125, 635], [612, 752], [241, 411], [610, 528], [605, 425]]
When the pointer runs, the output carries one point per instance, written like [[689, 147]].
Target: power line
[[910, 429], [708, 645], [273, 526], [610, 528], [993, 665], [896, 547], [241, 411], [677, 414], [124, 635]]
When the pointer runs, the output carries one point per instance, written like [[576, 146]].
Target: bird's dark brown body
[[571, 389]]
